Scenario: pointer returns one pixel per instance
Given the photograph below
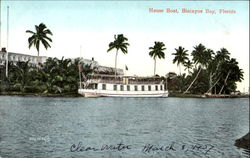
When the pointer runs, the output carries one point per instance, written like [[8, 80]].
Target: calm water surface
[[40, 127]]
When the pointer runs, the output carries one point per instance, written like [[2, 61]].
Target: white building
[[35, 60], [15, 57]]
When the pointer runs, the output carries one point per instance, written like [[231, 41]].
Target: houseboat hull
[[109, 93]]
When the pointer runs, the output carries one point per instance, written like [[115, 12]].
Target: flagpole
[[0, 25], [7, 46], [7, 28]]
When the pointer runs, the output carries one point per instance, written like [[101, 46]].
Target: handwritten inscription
[[116, 147], [151, 148], [146, 149]]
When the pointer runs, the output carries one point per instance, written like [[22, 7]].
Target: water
[[40, 127]]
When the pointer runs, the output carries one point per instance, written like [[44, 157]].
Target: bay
[[149, 127]]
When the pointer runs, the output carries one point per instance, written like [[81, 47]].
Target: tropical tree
[[157, 51], [180, 57], [222, 55], [119, 44], [214, 67], [5, 82], [201, 85], [40, 36], [55, 76], [188, 65], [201, 57], [22, 70], [231, 73]]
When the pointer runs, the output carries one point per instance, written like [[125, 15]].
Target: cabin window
[[149, 88], [161, 87], [142, 88], [156, 87], [103, 86], [128, 88], [121, 87], [95, 86], [136, 88], [115, 87]]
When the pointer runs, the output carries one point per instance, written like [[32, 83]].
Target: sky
[[85, 28]]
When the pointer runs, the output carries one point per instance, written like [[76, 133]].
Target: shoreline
[[181, 95], [76, 95], [69, 95]]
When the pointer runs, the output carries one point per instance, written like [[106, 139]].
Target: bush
[[9, 88], [31, 89]]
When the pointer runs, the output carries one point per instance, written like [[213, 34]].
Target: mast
[[7, 46]]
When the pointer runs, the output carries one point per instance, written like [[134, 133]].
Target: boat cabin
[[125, 83]]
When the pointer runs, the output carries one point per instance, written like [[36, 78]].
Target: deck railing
[[130, 81]]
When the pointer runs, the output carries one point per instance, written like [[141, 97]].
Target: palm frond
[[47, 38], [28, 31], [48, 32]]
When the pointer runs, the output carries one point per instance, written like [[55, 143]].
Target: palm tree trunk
[[225, 81], [193, 81], [180, 69], [210, 82], [154, 67], [211, 75], [213, 86], [116, 61]]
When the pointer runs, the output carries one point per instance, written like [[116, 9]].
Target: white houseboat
[[123, 86]]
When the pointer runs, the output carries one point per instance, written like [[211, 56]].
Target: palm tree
[[210, 67], [157, 52], [214, 67], [188, 65], [180, 57], [40, 36], [231, 73], [119, 44], [222, 55], [201, 57]]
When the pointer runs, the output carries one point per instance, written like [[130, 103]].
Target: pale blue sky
[[124, 15], [92, 24]]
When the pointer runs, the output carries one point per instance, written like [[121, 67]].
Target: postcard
[[127, 79]]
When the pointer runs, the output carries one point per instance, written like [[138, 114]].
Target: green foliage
[[217, 72], [40, 36], [55, 76], [180, 56], [157, 51], [119, 44]]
